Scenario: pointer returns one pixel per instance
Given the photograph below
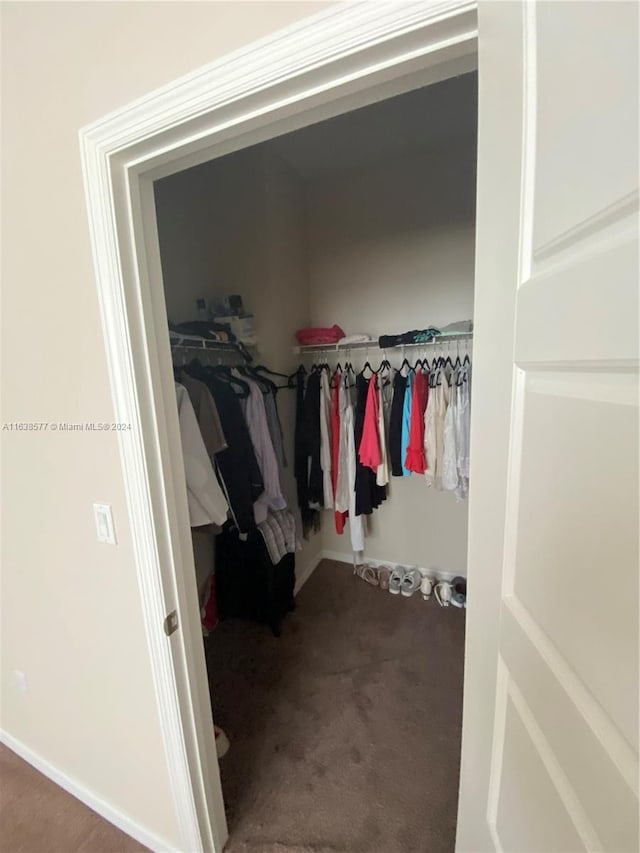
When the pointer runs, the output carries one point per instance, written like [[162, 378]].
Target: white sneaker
[[426, 587], [411, 582], [395, 580]]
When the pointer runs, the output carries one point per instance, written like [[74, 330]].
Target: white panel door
[[550, 730]]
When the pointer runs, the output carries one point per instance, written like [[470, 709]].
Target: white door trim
[[347, 56]]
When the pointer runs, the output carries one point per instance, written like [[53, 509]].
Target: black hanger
[[261, 368], [267, 386], [367, 366], [385, 364], [223, 371]]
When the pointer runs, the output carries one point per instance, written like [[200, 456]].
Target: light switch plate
[[104, 524]]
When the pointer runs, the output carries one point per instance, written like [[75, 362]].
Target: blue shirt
[[406, 424]]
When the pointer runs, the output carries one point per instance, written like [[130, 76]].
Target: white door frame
[[348, 56]]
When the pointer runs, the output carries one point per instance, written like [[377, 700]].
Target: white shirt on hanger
[[206, 500], [346, 490], [430, 437]]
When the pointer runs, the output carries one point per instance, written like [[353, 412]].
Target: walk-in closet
[[319, 290]]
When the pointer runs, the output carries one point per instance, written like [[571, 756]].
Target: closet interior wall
[[391, 247], [308, 236], [235, 225]]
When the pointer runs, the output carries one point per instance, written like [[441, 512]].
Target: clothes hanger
[[385, 364], [261, 368], [271, 387], [223, 371], [367, 366]]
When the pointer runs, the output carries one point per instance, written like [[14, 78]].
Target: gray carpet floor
[[345, 731]]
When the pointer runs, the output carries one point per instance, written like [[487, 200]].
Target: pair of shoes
[[404, 580]]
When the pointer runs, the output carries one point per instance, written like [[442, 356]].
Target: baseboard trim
[[347, 557], [303, 576], [94, 801]]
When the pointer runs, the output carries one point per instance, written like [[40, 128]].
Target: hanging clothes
[[395, 424], [279, 533], [206, 413], [430, 434], [326, 448], [369, 450], [343, 485], [356, 522], [450, 480], [406, 423], [336, 437], [237, 464], [314, 440], [369, 495], [256, 417], [310, 517], [415, 458], [462, 428], [382, 472], [275, 431], [346, 480], [442, 404], [207, 503]]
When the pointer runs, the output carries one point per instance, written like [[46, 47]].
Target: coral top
[[415, 459], [370, 452]]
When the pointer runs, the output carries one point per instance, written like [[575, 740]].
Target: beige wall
[[391, 248], [71, 615]]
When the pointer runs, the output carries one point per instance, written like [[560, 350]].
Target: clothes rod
[[221, 348], [437, 341], [189, 343]]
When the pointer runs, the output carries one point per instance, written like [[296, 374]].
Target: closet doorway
[[365, 220], [543, 389]]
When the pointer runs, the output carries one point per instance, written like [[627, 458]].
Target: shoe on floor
[[426, 586], [411, 582], [222, 742], [384, 575], [395, 580], [367, 573]]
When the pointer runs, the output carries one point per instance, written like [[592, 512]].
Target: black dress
[[369, 495], [312, 411], [395, 424], [302, 452]]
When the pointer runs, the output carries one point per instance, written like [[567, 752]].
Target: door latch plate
[[171, 623]]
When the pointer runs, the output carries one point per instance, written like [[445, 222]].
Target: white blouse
[[206, 500]]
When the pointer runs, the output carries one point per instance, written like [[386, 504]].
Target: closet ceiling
[[426, 118]]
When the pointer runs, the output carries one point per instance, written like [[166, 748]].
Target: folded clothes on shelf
[[207, 329], [355, 339], [417, 336], [308, 337]]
